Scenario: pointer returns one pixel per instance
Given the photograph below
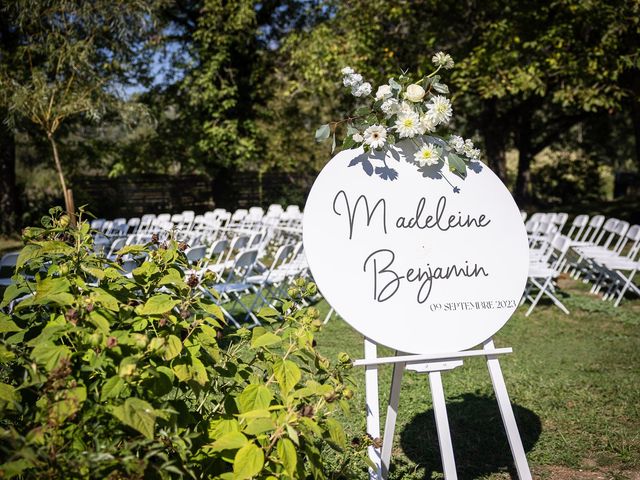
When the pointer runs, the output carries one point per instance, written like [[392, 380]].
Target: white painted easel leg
[[506, 411], [442, 424], [392, 415], [373, 407]]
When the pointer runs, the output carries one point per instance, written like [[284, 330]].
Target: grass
[[573, 381]]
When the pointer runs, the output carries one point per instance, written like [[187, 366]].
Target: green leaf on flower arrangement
[[440, 88], [323, 133], [394, 85], [229, 441], [107, 300], [362, 111], [248, 462], [351, 130], [138, 414], [267, 339], [112, 388], [257, 426], [287, 374], [8, 396], [49, 355], [172, 348], [457, 165], [157, 305], [254, 397], [287, 453], [337, 439], [348, 142]]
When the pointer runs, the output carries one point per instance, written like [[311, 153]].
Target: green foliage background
[[241, 86]]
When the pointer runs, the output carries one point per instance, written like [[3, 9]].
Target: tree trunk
[[68, 204], [8, 198], [522, 191], [495, 137], [635, 112]]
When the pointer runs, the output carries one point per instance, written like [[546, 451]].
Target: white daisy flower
[[408, 125], [427, 155], [352, 80], [390, 107], [426, 125], [457, 143], [375, 136], [357, 138], [442, 59], [347, 71], [361, 90], [439, 110]]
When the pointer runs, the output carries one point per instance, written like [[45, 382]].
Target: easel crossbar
[[440, 357]]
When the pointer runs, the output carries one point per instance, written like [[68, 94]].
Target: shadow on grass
[[479, 440]]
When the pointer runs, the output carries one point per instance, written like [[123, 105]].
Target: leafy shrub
[[108, 376]]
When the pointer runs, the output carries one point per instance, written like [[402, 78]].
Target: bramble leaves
[[136, 361]]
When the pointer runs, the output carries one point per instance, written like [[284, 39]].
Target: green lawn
[[574, 381]]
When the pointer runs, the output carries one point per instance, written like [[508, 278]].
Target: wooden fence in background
[[136, 195]]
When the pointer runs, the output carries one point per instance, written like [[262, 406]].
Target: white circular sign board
[[419, 264]]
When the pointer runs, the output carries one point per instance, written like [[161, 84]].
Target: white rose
[[383, 91], [415, 93], [357, 138]]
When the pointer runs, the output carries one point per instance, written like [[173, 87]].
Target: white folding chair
[[542, 275]]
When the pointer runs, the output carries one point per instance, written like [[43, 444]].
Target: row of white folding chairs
[[603, 251]]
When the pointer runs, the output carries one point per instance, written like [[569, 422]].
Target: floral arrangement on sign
[[403, 109]]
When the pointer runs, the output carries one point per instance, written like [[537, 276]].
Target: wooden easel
[[433, 364]]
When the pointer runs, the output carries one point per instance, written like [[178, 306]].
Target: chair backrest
[[242, 265], [195, 254], [217, 249], [621, 231], [293, 209], [177, 218], [560, 244], [561, 220], [97, 223], [164, 217], [120, 221], [524, 215], [577, 227], [633, 235], [8, 264], [607, 229], [593, 228], [536, 217]]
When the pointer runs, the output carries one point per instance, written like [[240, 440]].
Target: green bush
[[108, 376]]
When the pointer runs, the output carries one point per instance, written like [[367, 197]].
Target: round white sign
[[416, 259]]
